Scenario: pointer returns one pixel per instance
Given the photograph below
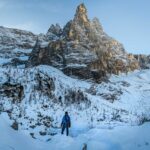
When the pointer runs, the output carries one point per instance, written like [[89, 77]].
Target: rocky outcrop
[[54, 32], [15, 46], [15, 38], [45, 84], [83, 49], [78, 28], [144, 61], [13, 91]]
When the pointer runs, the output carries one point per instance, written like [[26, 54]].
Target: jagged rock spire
[[77, 28], [97, 25], [83, 42], [55, 29], [81, 14]]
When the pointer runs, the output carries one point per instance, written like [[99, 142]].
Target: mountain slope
[[46, 92], [16, 46], [15, 38]]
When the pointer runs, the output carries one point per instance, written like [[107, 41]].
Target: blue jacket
[[66, 121]]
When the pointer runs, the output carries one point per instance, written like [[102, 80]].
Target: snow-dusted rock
[[16, 45], [15, 38], [54, 32], [84, 43], [144, 61]]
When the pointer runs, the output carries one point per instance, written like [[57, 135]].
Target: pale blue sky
[[126, 20]]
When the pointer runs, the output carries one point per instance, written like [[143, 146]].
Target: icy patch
[[16, 50], [24, 58], [4, 61]]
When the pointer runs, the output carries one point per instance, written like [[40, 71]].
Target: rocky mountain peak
[[78, 28], [54, 32], [55, 29], [81, 14], [83, 49]]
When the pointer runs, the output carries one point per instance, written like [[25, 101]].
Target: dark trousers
[[63, 129]]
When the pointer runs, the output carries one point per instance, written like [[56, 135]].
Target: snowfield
[[104, 116], [118, 138]]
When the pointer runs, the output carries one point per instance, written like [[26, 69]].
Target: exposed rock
[[52, 54], [76, 97], [16, 45], [15, 38], [79, 28], [15, 125], [84, 146], [42, 133], [54, 32], [85, 73], [45, 84], [81, 14], [83, 49], [144, 61], [32, 135], [13, 91]]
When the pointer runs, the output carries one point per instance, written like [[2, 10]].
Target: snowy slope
[[15, 38], [47, 93], [118, 138], [16, 45]]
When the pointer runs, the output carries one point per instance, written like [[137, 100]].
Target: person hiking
[[66, 123]]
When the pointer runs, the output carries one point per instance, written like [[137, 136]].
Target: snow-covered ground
[[118, 138], [104, 116]]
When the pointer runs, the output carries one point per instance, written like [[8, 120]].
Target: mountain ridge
[[81, 48], [84, 50]]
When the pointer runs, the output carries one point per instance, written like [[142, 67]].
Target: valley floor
[[118, 138]]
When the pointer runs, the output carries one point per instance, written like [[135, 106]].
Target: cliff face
[[15, 46], [83, 49], [15, 38]]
